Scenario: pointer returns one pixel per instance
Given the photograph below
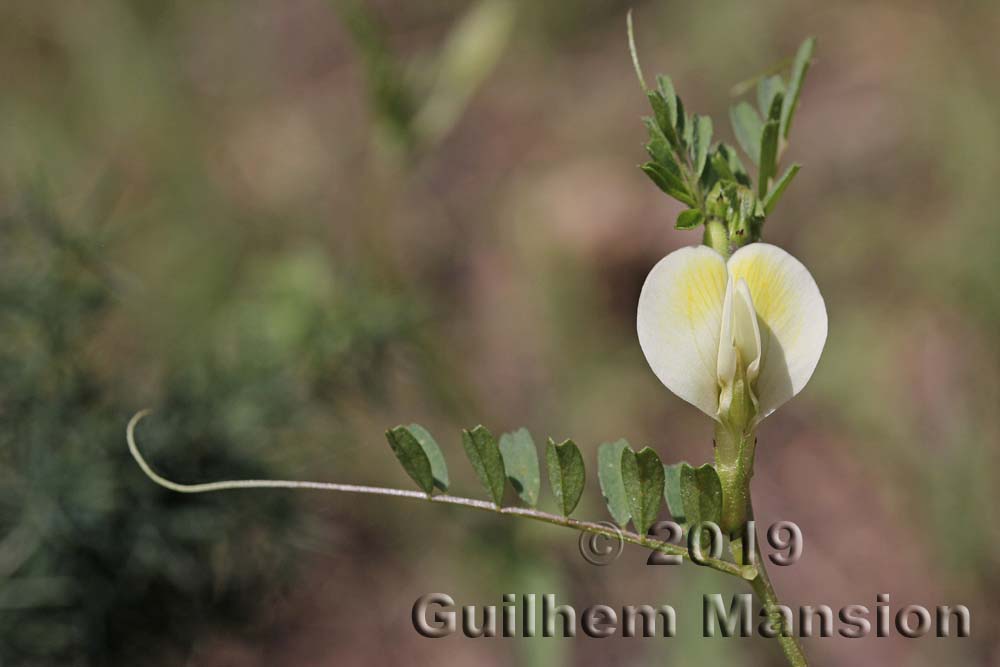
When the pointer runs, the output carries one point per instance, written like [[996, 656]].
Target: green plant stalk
[[734, 455], [735, 442], [764, 589]]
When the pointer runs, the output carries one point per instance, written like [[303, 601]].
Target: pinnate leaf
[[609, 474], [520, 461], [689, 219], [702, 141], [772, 198], [642, 476], [668, 182], [701, 494], [566, 473], [803, 58], [439, 469], [767, 88], [484, 454], [672, 491], [411, 456], [748, 128], [768, 156]]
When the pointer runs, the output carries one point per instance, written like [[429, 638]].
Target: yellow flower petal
[[792, 319], [679, 322]]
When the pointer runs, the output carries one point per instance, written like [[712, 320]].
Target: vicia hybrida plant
[[735, 327]]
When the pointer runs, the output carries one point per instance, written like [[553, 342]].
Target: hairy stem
[[764, 589], [734, 454]]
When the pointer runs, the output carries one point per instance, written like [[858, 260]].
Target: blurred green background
[[289, 225]]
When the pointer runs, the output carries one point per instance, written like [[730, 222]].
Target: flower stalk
[[734, 454], [764, 589]]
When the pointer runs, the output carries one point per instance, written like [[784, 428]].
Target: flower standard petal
[[792, 319], [679, 320]]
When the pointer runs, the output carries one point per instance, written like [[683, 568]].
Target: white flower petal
[[679, 319], [792, 319], [746, 332], [740, 334]]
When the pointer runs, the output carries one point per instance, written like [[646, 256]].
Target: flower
[[735, 339]]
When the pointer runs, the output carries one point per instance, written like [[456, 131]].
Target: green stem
[[734, 456], [734, 453], [764, 589]]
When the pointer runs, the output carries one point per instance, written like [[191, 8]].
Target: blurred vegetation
[[94, 561], [97, 565], [288, 226]]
